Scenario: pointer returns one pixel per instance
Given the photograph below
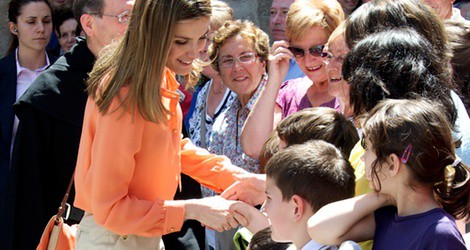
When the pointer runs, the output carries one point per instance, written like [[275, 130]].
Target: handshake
[[234, 207]]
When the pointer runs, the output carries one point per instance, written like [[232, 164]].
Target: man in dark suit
[[51, 115]]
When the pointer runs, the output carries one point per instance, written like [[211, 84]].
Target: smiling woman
[[131, 152], [190, 38], [309, 24], [334, 56], [66, 29], [239, 53]]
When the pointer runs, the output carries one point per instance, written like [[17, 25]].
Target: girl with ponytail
[[419, 185]]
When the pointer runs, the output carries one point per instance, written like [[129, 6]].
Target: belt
[[73, 215]]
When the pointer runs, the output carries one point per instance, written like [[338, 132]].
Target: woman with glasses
[[131, 153], [239, 53], [333, 55], [309, 24]]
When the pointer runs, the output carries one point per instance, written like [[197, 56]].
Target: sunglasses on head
[[314, 51]]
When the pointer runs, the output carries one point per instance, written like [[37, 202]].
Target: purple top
[[434, 229], [292, 97]]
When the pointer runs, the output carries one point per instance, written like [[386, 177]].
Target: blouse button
[[175, 131], [124, 237]]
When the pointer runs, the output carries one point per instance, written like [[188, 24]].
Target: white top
[[24, 78], [312, 245], [462, 129], [456, 15]]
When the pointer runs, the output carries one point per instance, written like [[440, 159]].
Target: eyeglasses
[[123, 18], [329, 57], [314, 51], [228, 62]]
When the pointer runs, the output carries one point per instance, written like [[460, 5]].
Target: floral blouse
[[195, 121], [227, 130]]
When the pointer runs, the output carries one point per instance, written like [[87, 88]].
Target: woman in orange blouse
[[131, 152]]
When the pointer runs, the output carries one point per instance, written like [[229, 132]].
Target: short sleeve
[[443, 235]]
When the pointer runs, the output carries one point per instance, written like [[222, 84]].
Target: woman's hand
[[279, 62], [214, 212], [248, 188]]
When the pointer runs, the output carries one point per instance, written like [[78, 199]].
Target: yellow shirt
[[127, 167], [362, 184]]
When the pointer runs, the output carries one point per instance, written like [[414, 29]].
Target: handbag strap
[[203, 128], [64, 201]]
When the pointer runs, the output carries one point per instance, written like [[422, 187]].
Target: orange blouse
[[128, 167]]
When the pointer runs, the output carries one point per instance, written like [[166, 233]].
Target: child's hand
[[255, 219], [214, 212], [248, 188]]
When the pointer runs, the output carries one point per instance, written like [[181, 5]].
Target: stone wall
[[254, 10], [4, 33]]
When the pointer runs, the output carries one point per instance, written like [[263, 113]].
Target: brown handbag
[[57, 234]]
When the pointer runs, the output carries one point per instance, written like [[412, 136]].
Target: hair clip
[[456, 162], [467, 174], [406, 154], [449, 176]]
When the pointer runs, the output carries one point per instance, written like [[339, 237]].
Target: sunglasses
[[314, 51]]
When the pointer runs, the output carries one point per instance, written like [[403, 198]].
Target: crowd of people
[[185, 128]]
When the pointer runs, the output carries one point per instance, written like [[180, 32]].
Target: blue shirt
[[294, 71], [462, 129], [434, 229]]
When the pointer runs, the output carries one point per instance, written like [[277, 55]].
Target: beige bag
[[57, 234]]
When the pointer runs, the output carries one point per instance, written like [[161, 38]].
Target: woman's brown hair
[[138, 60]]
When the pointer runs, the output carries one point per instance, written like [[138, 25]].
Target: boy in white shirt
[[300, 180]]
